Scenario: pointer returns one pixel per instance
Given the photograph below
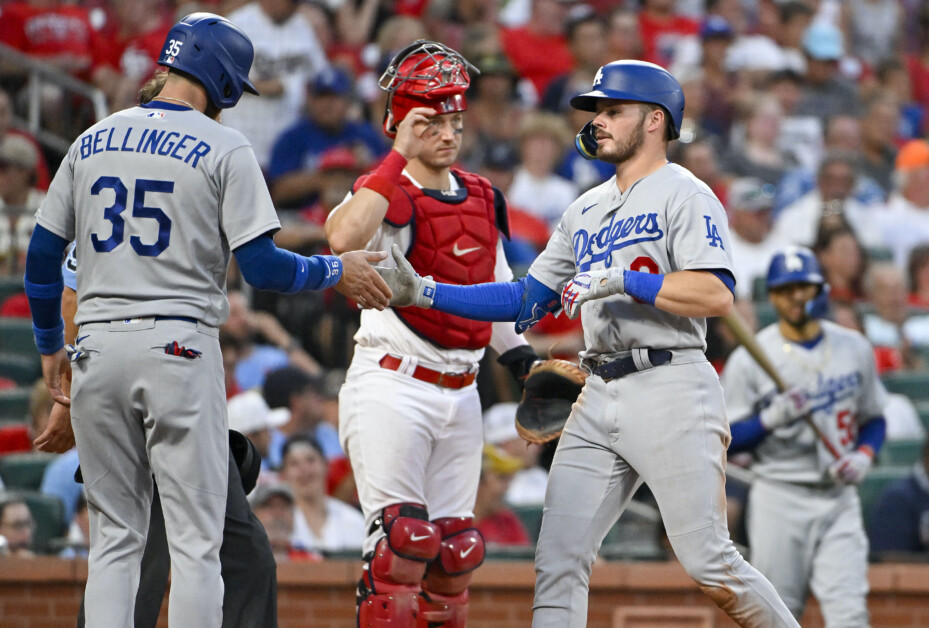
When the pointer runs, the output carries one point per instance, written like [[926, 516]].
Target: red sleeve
[[400, 210], [12, 25]]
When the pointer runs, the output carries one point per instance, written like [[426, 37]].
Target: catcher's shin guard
[[392, 574], [443, 602]]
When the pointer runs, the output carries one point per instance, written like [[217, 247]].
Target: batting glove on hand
[[785, 408], [591, 285], [852, 467], [407, 286]]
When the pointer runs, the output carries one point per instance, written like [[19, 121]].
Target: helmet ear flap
[[586, 142]]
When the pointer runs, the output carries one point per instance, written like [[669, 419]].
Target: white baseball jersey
[[838, 372], [666, 222], [148, 244]]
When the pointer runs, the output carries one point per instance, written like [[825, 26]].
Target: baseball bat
[[747, 339]]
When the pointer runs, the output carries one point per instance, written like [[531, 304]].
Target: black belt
[[625, 366], [186, 319]]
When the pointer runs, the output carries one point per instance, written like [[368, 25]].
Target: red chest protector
[[454, 240]]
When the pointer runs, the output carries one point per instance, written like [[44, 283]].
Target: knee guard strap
[[444, 599]]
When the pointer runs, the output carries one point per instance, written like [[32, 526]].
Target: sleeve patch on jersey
[[712, 233]]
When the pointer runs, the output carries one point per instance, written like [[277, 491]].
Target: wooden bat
[[746, 338]]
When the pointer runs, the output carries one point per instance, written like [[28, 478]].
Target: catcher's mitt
[[551, 387]]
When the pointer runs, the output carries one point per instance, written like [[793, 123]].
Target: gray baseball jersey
[[665, 222], [153, 238], [840, 374]]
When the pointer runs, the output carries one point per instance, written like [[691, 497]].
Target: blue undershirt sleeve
[[746, 435], [266, 267], [43, 285], [872, 434], [525, 301]]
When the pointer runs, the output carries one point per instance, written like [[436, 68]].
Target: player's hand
[[58, 436], [588, 286], [852, 467], [786, 408], [360, 282], [411, 130], [407, 286], [53, 366]]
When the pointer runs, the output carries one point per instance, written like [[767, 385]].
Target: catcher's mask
[[425, 74]]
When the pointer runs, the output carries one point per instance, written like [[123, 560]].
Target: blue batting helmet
[[639, 81], [795, 264], [215, 52]]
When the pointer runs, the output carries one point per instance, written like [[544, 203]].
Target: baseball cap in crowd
[[264, 492], [912, 155], [823, 41], [16, 150], [716, 27], [248, 412], [332, 80], [500, 423], [500, 156], [498, 461], [750, 194], [339, 158], [282, 383]]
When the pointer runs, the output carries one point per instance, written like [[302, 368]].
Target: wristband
[[384, 178], [49, 341], [642, 286]]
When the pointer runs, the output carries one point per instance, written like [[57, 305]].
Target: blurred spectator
[[843, 261], [587, 41], [296, 154], [917, 62], [800, 221], [794, 18], [545, 31], [660, 28], [623, 39], [78, 535], [287, 55], [6, 128], [905, 221], [843, 134], [497, 523], [800, 135], [890, 324], [127, 48], [825, 92], [749, 204], [716, 36], [16, 526], [760, 156], [19, 200], [536, 188], [321, 523], [54, 32], [879, 126], [887, 359], [249, 414], [900, 520], [245, 327], [702, 159], [527, 486], [294, 389], [894, 81], [773, 45], [918, 276], [874, 29], [494, 111], [274, 504]]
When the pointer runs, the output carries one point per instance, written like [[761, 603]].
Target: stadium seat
[[14, 404], [900, 452], [913, 384], [16, 336], [765, 313], [21, 369], [24, 471], [875, 482], [15, 438], [922, 408], [48, 513], [504, 552], [531, 516]]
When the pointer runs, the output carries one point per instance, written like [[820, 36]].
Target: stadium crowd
[[807, 118]]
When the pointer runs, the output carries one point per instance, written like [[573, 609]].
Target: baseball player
[[409, 413], [803, 517], [155, 198], [642, 258]]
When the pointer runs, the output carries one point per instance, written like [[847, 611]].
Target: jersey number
[[644, 264], [139, 210], [846, 424]]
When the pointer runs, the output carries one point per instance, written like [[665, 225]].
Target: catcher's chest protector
[[455, 241]]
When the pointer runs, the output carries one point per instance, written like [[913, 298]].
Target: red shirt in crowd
[[135, 56], [503, 528], [58, 31], [661, 35], [523, 47]]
